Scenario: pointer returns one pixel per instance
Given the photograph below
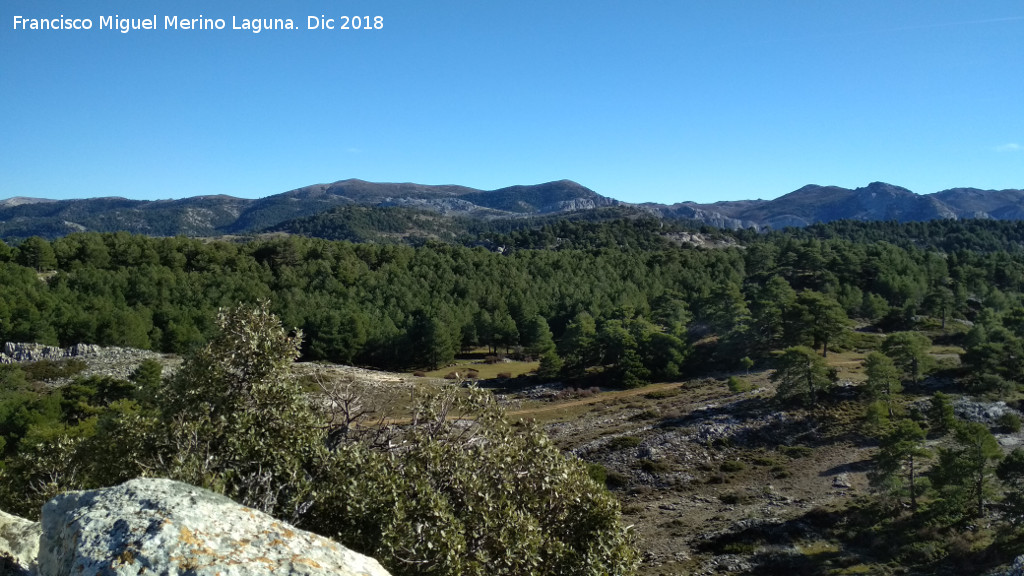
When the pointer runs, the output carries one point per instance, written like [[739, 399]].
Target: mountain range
[[219, 215]]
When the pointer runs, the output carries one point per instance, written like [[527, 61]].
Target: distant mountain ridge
[[21, 217], [218, 215]]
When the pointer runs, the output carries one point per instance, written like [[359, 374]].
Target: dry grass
[[850, 365], [944, 350], [485, 371]]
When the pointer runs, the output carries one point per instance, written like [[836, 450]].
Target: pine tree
[[883, 382], [802, 375], [897, 465]]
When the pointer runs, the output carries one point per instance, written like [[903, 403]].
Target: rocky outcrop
[[99, 360], [1016, 569], [19, 545], [155, 526], [27, 352]]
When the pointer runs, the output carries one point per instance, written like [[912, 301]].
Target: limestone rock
[[155, 526], [19, 544], [1017, 569], [842, 480]]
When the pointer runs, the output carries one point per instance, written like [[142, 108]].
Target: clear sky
[[649, 100]]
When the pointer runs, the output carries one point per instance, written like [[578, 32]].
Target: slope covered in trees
[[649, 298]]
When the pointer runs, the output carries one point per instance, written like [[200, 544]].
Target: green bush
[[738, 385], [1009, 422], [796, 451], [623, 442], [597, 472], [616, 480], [732, 498], [655, 466], [53, 369], [732, 466]]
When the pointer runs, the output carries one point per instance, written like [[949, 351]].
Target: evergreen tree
[[897, 465], [965, 470], [36, 253], [550, 365], [883, 382], [537, 338], [941, 419], [820, 318], [579, 344], [802, 375], [1011, 472], [431, 341], [909, 351]]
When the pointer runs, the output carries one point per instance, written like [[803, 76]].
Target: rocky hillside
[[218, 215], [876, 201]]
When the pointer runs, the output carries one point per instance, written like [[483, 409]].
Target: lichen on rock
[[165, 527]]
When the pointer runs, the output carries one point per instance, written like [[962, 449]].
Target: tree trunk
[[810, 385], [913, 487], [979, 487]]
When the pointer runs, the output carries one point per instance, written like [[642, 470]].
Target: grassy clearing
[[943, 350], [485, 371], [850, 365]]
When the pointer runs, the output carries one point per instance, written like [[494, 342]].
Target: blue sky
[[649, 100]]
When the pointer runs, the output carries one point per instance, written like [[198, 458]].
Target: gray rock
[[19, 544], [987, 413], [29, 352], [164, 527], [842, 480], [1016, 569]]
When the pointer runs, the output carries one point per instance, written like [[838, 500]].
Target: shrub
[[623, 442], [504, 375], [1009, 423], [731, 498], [796, 451], [419, 373], [616, 480], [597, 472], [482, 500], [732, 466], [645, 415], [53, 369], [655, 466], [738, 385], [572, 392]]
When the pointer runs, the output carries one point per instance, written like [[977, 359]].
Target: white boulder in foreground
[[19, 544], [155, 526]]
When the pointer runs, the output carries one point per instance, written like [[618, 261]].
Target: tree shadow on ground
[[849, 467], [797, 547]]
